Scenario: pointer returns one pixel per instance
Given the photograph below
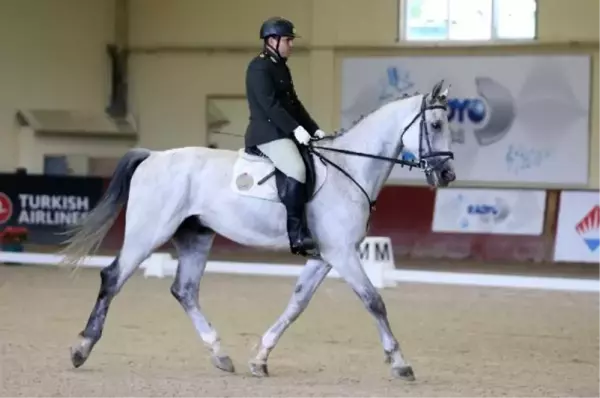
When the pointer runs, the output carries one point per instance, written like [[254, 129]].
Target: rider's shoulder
[[260, 61]]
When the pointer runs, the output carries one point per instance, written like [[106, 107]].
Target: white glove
[[302, 135], [320, 133]]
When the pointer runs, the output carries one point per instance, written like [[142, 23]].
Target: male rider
[[279, 122]]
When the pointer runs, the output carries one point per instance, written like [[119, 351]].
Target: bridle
[[422, 162]]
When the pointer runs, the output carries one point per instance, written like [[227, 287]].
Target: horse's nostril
[[447, 175]]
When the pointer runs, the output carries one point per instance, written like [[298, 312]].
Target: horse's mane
[[342, 131]]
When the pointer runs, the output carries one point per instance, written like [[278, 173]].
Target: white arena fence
[[376, 255]]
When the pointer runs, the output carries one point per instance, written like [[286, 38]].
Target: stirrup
[[304, 250]]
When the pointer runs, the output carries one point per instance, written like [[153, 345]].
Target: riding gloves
[[320, 133], [302, 135]]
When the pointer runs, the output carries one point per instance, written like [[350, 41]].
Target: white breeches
[[285, 156]]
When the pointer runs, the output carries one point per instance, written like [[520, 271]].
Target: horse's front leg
[[349, 267], [309, 280]]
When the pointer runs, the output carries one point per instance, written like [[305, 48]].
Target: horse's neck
[[377, 134]]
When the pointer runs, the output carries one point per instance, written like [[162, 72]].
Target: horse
[[190, 194]]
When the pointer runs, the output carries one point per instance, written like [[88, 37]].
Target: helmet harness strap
[[276, 49]]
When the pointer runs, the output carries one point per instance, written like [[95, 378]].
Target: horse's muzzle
[[448, 175], [441, 173]]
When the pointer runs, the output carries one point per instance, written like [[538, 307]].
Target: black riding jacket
[[275, 110]]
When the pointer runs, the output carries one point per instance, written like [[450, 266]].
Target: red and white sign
[[578, 231], [6, 208]]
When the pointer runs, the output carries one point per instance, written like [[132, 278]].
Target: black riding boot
[[294, 197]]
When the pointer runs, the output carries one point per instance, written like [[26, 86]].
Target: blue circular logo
[[476, 111]]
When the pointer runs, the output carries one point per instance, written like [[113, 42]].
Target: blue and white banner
[[489, 211], [578, 229], [514, 119]]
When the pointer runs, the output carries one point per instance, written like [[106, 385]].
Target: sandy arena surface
[[461, 341]]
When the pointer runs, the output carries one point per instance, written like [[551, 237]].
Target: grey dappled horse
[[187, 195]]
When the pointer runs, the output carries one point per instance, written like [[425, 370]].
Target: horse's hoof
[[404, 373], [259, 369], [77, 358], [80, 352], [223, 362]]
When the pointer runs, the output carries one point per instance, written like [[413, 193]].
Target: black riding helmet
[[277, 26]]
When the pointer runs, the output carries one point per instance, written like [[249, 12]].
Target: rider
[[279, 122]]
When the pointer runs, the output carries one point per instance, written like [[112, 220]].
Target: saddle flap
[[253, 157], [254, 175]]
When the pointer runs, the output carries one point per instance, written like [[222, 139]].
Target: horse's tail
[[86, 236]]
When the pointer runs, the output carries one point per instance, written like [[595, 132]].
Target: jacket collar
[[273, 56]]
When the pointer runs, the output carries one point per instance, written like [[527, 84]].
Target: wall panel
[[53, 56]]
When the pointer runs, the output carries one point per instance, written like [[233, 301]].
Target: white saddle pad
[[253, 176]]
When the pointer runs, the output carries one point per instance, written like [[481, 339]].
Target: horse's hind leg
[[193, 243], [309, 280], [137, 246]]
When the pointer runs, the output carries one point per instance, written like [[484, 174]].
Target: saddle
[[253, 172]]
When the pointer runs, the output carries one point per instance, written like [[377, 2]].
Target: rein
[[421, 164]]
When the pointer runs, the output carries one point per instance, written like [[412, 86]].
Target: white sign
[[489, 211], [377, 258], [514, 119], [577, 236]]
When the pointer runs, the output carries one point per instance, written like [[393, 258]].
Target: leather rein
[[422, 163]]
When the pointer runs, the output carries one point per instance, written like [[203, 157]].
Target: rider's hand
[[320, 133], [302, 135]]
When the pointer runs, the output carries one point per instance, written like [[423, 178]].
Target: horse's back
[[191, 157], [200, 152], [224, 172]]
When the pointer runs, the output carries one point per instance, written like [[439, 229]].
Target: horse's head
[[428, 135]]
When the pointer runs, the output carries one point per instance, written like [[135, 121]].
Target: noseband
[[422, 162]]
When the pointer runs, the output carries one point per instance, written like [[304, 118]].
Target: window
[[473, 20]]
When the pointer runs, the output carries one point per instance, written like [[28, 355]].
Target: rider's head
[[278, 35]]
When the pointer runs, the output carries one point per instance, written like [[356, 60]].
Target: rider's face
[[285, 45]]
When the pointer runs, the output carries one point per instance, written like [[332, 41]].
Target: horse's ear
[[435, 92], [443, 96]]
